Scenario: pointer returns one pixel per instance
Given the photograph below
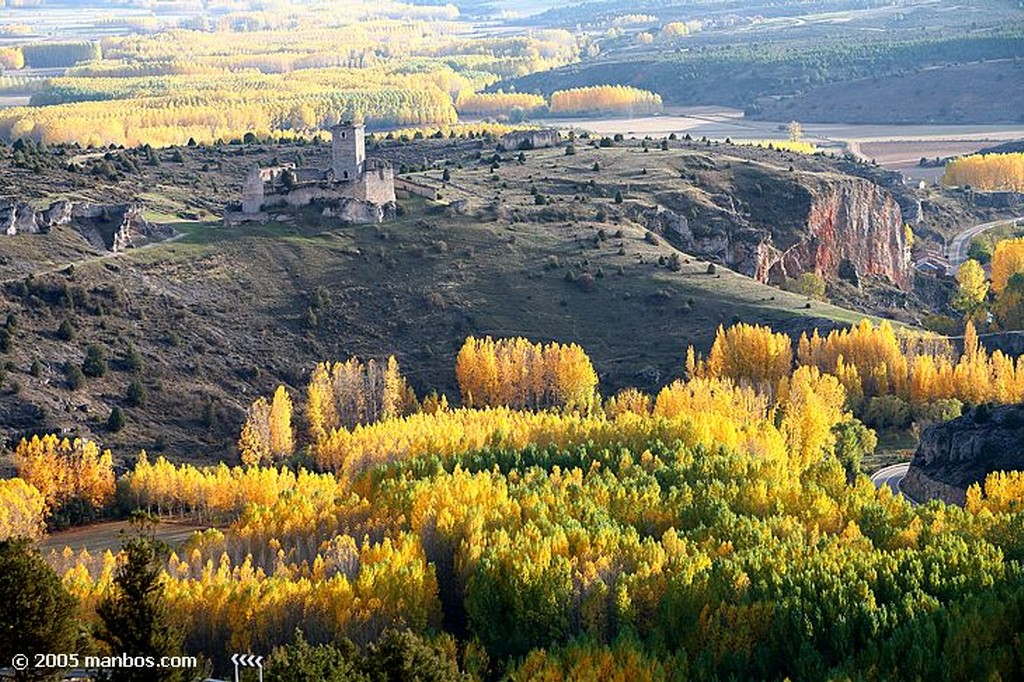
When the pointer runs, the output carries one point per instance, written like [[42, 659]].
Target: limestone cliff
[[952, 455], [112, 227], [773, 226]]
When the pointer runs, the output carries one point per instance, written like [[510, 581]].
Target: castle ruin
[[354, 188]]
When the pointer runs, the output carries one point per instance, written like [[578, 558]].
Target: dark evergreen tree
[[37, 615]]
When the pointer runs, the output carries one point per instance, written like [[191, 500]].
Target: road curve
[[956, 253], [892, 476]]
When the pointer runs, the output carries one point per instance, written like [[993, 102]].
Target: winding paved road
[[892, 476], [956, 253]]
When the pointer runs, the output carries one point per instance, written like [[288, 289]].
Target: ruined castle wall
[[377, 185], [416, 188], [304, 196], [535, 139]]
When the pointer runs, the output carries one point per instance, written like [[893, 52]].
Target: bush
[[675, 262], [397, 655], [853, 441], [95, 363], [887, 412], [712, 269], [133, 360], [937, 411], [651, 238], [66, 331], [136, 394], [808, 284], [75, 377], [116, 421]]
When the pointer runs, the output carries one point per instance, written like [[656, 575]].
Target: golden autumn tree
[[321, 413], [628, 401], [282, 443], [972, 287], [604, 98], [812, 404], [254, 441], [748, 353], [987, 172], [524, 375], [22, 510], [1007, 261], [1009, 307], [63, 470]]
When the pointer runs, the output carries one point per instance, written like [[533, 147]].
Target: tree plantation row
[[175, 85], [721, 527]]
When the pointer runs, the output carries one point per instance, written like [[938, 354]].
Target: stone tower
[[348, 151], [252, 191]]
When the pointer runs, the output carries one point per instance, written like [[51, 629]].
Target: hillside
[[819, 66], [986, 92], [220, 315]]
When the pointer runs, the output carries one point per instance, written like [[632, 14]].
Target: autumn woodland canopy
[[387, 64], [536, 530]]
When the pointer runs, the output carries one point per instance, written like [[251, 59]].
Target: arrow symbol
[[234, 659]]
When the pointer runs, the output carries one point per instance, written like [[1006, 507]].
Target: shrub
[[95, 363], [133, 360], [808, 284], [937, 411], [651, 238], [853, 441], [116, 421], [136, 394], [887, 411], [66, 331], [74, 376]]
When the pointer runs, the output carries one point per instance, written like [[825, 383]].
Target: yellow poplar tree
[[254, 441], [22, 510], [282, 444], [1007, 260], [321, 412], [972, 287]]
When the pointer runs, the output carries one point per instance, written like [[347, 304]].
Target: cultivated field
[[898, 147], [100, 537]]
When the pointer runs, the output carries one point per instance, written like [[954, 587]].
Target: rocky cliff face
[[853, 221], [109, 227], [774, 227], [954, 454]]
